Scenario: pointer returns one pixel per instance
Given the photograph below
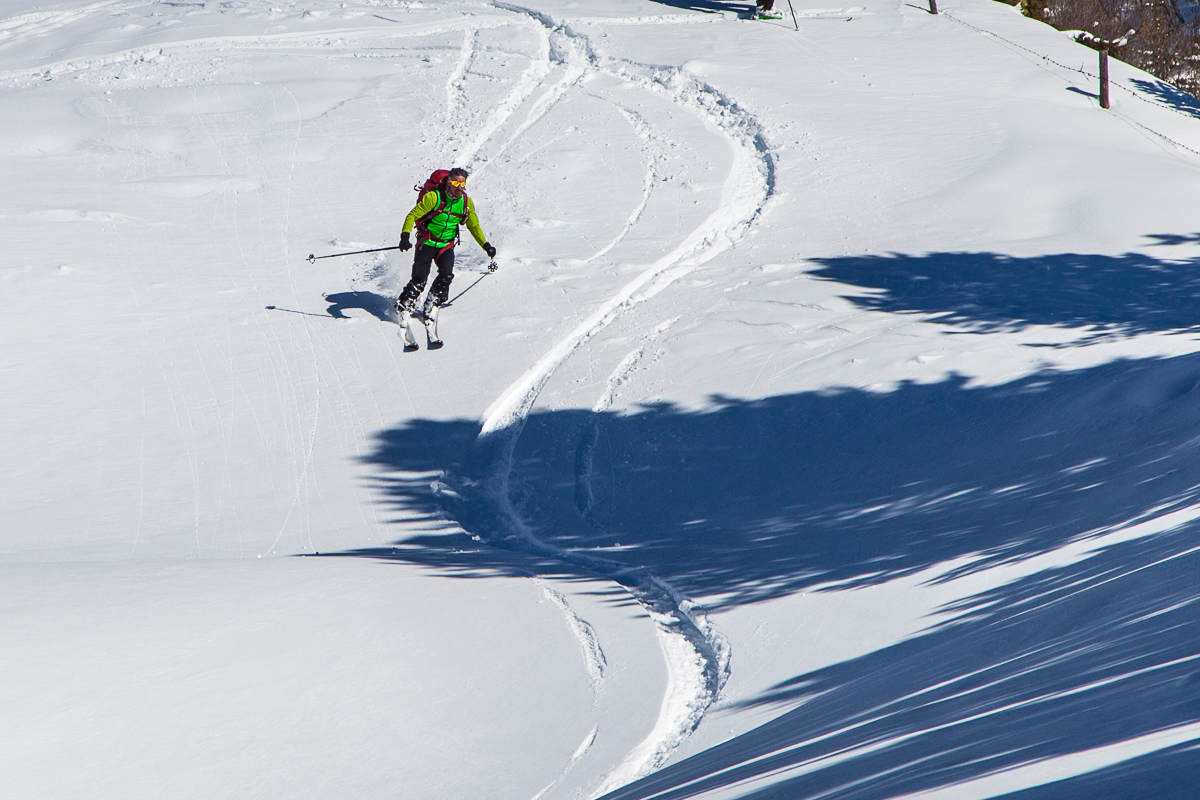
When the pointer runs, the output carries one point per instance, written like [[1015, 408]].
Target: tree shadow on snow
[[1174, 239], [1030, 674], [1168, 774], [1170, 96], [750, 501], [756, 500], [1110, 296]]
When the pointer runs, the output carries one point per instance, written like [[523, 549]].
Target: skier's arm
[[427, 203], [473, 224]]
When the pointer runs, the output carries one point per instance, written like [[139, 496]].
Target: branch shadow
[[1068, 660], [1171, 96], [1173, 239], [1108, 296], [1168, 774]]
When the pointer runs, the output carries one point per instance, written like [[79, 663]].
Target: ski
[[430, 318], [406, 332]]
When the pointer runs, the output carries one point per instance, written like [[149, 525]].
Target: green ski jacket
[[443, 228]]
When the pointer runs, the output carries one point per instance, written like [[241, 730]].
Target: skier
[[437, 216]]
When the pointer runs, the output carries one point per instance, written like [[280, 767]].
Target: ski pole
[[491, 268], [312, 258], [797, 24]]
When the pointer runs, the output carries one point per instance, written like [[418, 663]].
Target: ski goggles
[[458, 182]]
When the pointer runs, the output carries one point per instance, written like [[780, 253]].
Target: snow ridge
[[584, 633]]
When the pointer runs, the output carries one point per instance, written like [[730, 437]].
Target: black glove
[[491, 251], [405, 244]]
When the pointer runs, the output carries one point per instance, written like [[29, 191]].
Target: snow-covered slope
[[827, 430]]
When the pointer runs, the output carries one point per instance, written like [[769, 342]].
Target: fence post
[[1104, 78]]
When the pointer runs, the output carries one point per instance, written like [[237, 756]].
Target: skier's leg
[[440, 291], [437, 295], [422, 261]]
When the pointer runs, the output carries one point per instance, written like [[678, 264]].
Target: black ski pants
[[423, 261]]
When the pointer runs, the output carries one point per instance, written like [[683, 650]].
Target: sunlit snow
[[829, 429]]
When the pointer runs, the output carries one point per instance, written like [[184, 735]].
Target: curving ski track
[[697, 655]]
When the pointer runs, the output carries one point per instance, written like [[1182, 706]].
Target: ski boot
[[430, 316], [404, 313]]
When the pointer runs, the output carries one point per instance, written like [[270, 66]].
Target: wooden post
[[932, 6], [1104, 78]]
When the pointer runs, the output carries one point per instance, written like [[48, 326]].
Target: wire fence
[[1093, 76]]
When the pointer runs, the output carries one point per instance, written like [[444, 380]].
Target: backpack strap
[[423, 221], [422, 224]]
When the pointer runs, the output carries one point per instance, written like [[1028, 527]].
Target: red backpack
[[436, 182]]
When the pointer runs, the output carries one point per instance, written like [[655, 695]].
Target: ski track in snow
[[583, 632], [44, 23], [697, 655], [528, 83], [144, 53], [579, 753], [643, 130], [455, 96], [585, 498]]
